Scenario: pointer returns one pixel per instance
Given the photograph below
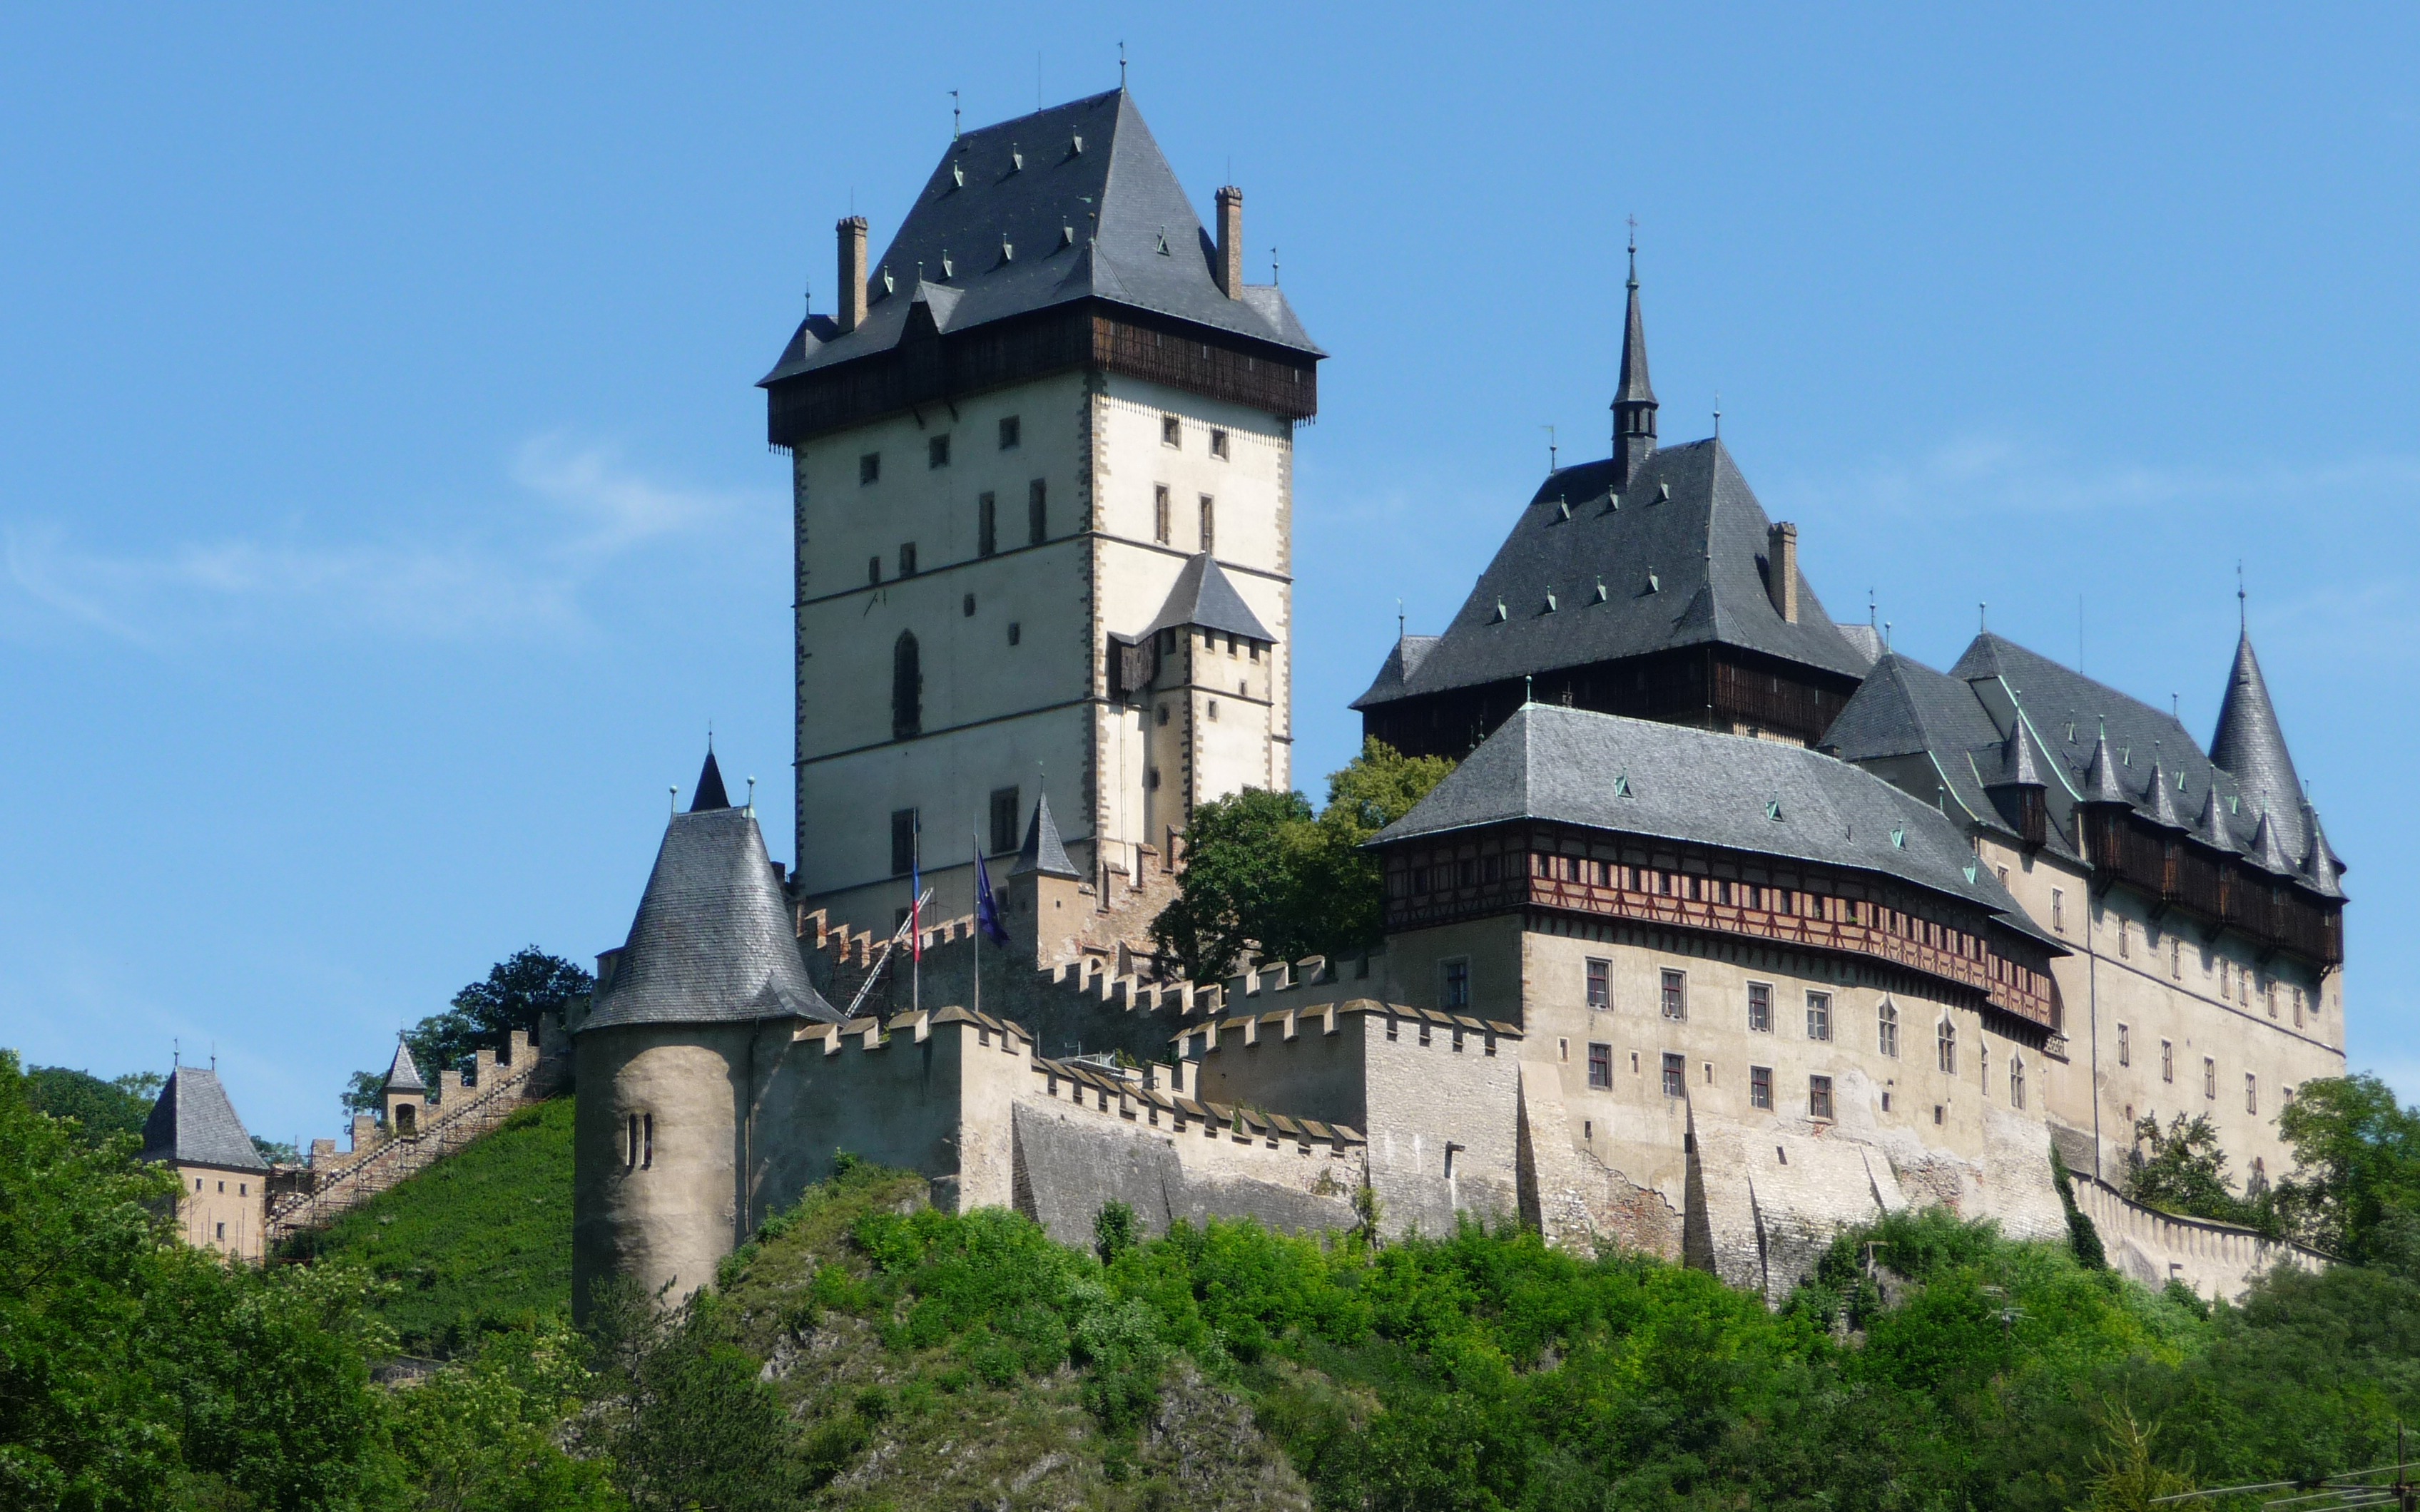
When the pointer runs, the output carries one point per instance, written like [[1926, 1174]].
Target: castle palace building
[[1042, 466]]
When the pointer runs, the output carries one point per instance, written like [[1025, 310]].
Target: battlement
[[871, 1032], [1137, 1095], [1286, 1024]]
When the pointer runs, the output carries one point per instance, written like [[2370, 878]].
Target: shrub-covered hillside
[[479, 1242]]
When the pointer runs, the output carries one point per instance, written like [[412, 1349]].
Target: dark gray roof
[[992, 240], [2089, 742], [1867, 640], [710, 791], [2250, 746], [1637, 777], [193, 1124], [2023, 764], [1679, 562], [1632, 385], [1395, 673], [1206, 596], [1042, 851], [403, 1073], [713, 942]]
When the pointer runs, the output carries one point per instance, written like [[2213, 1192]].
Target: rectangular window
[[2125, 1046], [907, 559], [2210, 1078], [1012, 432], [1600, 1065], [2168, 1061], [2176, 958], [1159, 526], [1037, 512], [937, 452], [1819, 1015], [1171, 432], [986, 524], [1674, 996], [2124, 948], [903, 842], [1759, 1086], [869, 468], [1945, 1044], [873, 569], [1456, 985], [1004, 810], [1600, 983], [1819, 1097], [1209, 524], [2251, 1093], [1760, 1007], [1219, 444], [646, 1141], [1676, 1076], [2058, 909], [2297, 1007]]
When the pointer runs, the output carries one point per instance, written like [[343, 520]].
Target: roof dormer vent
[[1015, 159], [1007, 250], [1066, 235], [949, 266], [889, 286], [1076, 145], [1163, 243], [958, 173]]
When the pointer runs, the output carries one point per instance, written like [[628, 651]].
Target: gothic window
[[1887, 1027], [907, 687], [1945, 1047], [2251, 1093], [2210, 1078], [2058, 910], [2125, 1046], [1037, 512], [1760, 1009], [1759, 1086], [1819, 1097], [986, 524]]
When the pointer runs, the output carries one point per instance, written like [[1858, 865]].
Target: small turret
[[1633, 398], [2161, 799], [711, 794], [2250, 746], [2210, 828], [2021, 791], [405, 1094]]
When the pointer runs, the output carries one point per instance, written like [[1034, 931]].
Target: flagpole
[[916, 917], [977, 837]]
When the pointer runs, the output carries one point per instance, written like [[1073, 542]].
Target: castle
[[1733, 927]]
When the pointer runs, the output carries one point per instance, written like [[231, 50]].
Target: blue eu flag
[[987, 907]]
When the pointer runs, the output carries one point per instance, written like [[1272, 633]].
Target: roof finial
[[175, 1052], [1886, 639], [672, 799], [1122, 65], [1273, 267], [1869, 609], [1634, 252], [2176, 708], [1551, 465], [2242, 625], [1982, 619], [1527, 697], [1399, 619], [953, 116], [1718, 414]]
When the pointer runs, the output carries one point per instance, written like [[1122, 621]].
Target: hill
[[477, 1243]]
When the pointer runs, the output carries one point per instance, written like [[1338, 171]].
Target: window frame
[[1012, 432], [1598, 988], [1759, 1087], [1819, 1016], [1887, 1027], [1676, 1074], [937, 451], [1454, 975], [1820, 1105], [1599, 1066], [1672, 994], [1759, 1008]]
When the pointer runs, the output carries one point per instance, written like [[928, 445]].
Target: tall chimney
[[1781, 568], [852, 273], [1230, 272]]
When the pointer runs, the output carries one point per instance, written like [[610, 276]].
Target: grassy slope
[[477, 1241]]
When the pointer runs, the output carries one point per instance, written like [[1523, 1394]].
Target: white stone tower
[[1043, 470]]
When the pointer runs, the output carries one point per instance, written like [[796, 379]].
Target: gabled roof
[[1679, 553], [193, 1124], [1015, 219], [1042, 851], [1394, 673], [2250, 745], [712, 942], [1206, 598], [1637, 777], [403, 1073]]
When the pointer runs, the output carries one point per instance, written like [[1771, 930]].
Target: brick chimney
[[1782, 569], [852, 273], [1230, 272]]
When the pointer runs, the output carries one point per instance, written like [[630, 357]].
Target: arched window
[[1945, 1044], [1887, 1027], [907, 689]]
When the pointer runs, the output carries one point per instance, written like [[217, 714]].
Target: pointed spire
[[2210, 828], [2250, 746], [402, 1076], [1042, 852], [711, 791], [2021, 757], [1634, 398], [2267, 851], [2161, 798], [2101, 773], [2319, 861]]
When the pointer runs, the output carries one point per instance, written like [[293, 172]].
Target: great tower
[[1042, 461]]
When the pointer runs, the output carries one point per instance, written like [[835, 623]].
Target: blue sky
[[385, 512]]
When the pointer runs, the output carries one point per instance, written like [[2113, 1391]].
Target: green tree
[[2355, 1189], [99, 1109], [517, 991], [1264, 875], [2183, 1170]]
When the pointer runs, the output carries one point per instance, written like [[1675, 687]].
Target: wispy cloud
[[578, 506]]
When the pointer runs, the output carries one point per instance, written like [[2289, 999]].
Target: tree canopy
[[516, 994], [1264, 875]]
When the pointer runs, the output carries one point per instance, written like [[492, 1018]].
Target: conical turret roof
[[712, 942], [2100, 784], [403, 1073], [710, 791], [2210, 828], [2161, 799], [1634, 387], [2321, 862], [2250, 746], [1042, 852], [2266, 850], [193, 1124], [2022, 762]]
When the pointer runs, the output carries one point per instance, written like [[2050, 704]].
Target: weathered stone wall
[[666, 1215], [2218, 1260], [222, 1209]]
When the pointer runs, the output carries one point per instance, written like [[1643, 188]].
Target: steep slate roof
[[1206, 596], [710, 791], [712, 942], [1013, 239], [1687, 518], [193, 1124], [1395, 673], [403, 1072], [1695, 785], [1042, 851], [2094, 745], [2250, 745]]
